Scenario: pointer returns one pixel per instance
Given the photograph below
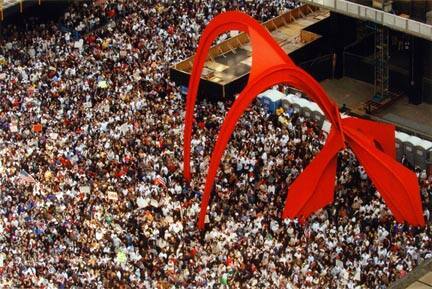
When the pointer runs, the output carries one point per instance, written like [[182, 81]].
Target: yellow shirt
[[279, 111]]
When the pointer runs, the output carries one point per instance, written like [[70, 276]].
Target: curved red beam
[[222, 23], [372, 142]]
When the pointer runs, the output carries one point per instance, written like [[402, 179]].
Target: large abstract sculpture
[[373, 143]]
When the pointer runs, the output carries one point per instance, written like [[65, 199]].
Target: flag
[[24, 178], [159, 181]]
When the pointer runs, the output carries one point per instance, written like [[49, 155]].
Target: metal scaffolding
[[381, 88]]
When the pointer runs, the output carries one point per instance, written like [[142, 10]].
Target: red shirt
[[111, 13]]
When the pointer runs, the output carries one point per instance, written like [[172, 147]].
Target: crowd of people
[[91, 189]]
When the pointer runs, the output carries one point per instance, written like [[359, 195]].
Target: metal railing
[[367, 13]]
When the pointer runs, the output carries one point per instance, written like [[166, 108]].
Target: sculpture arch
[[222, 23], [314, 188]]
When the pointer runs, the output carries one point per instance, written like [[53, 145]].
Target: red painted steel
[[373, 143]]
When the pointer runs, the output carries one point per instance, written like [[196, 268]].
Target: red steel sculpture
[[373, 143]]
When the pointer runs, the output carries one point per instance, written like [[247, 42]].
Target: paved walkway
[[418, 117]]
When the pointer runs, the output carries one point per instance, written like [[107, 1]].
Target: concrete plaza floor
[[353, 93]]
